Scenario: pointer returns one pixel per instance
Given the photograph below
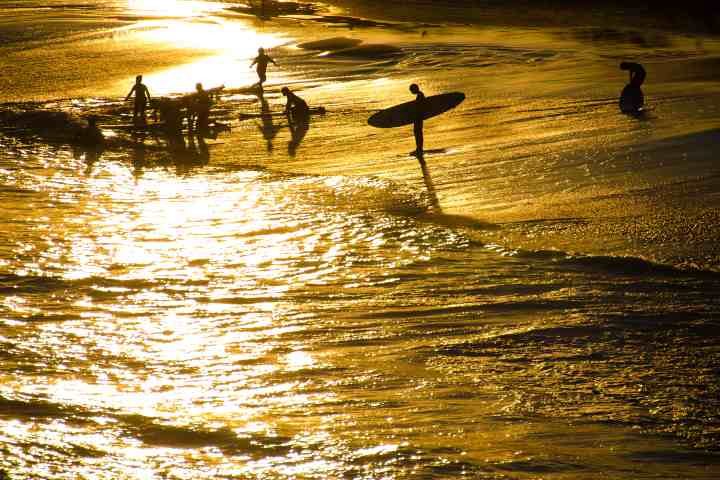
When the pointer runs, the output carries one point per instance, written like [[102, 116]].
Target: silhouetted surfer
[[631, 98], [142, 97], [201, 106], [296, 108], [262, 61], [90, 135], [418, 124]]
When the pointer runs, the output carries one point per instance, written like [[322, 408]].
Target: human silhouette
[[90, 135], [296, 108], [142, 97], [201, 107], [262, 61], [418, 124], [631, 98]]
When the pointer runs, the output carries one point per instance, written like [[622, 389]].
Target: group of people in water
[[198, 104], [197, 107]]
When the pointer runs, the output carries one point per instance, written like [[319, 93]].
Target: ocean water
[[538, 299]]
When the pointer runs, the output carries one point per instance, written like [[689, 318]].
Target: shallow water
[[312, 304]]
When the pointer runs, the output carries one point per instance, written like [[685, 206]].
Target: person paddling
[[631, 98], [418, 124], [142, 97], [262, 61], [296, 108]]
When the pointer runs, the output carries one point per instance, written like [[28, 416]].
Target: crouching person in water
[[90, 136], [631, 98], [296, 108]]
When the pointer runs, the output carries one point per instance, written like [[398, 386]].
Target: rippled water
[[262, 306]]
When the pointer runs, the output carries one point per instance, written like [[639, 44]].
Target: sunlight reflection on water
[[230, 319], [229, 47]]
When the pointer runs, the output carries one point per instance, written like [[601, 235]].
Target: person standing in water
[[201, 106], [631, 98], [142, 97], [418, 124], [296, 108], [262, 61]]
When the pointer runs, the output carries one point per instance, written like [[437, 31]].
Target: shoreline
[[649, 227], [692, 17]]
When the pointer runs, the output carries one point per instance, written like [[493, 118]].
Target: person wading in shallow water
[[201, 107], [262, 61], [418, 124], [296, 108], [142, 97], [631, 98]]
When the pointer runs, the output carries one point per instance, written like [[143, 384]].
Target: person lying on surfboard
[[418, 124], [262, 61], [631, 98], [296, 108]]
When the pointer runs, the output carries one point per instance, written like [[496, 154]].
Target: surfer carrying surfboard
[[142, 97], [631, 98], [296, 108], [418, 123], [262, 61]]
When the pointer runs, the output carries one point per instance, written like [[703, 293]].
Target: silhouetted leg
[[631, 99], [419, 140]]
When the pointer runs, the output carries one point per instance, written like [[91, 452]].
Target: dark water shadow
[[298, 129], [434, 202], [267, 127], [435, 213], [267, 9], [171, 150], [89, 154]]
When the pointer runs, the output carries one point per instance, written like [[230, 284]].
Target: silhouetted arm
[[253, 62], [131, 92], [636, 71]]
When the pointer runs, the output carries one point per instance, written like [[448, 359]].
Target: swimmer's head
[[624, 66], [285, 91], [414, 88], [261, 50], [138, 79], [198, 87]]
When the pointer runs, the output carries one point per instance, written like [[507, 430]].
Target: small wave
[[334, 43], [620, 265], [37, 408], [224, 438], [634, 266], [21, 284], [370, 51]]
